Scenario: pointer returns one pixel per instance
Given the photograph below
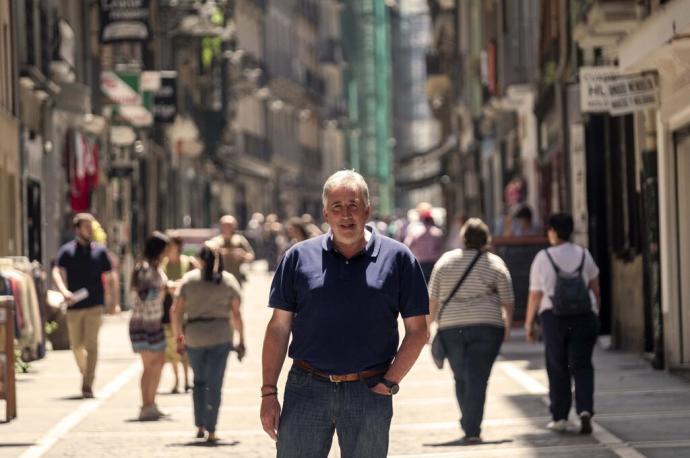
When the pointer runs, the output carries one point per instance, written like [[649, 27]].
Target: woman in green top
[[175, 266], [210, 298]]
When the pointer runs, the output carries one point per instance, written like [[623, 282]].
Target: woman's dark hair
[[563, 224], [153, 249], [213, 264], [155, 246], [177, 240], [475, 233]]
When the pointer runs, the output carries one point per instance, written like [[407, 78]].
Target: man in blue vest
[[340, 295]]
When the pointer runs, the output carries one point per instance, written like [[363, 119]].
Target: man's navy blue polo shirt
[[84, 265], [346, 311]]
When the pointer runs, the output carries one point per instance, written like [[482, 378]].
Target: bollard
[[7, 385]]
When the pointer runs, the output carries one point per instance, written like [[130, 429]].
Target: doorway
[[33, 220], [682, 179]]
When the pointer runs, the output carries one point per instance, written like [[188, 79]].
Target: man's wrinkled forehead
[[345, 194]]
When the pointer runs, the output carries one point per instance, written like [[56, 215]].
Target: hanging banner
[[606, 90], [165, 99], [124, 20]]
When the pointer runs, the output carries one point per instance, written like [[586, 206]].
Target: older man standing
[[340, 295], [234, 248]]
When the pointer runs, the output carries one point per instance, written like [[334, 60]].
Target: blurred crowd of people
[[421, 229]]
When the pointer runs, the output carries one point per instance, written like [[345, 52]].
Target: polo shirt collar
[[371, 249]]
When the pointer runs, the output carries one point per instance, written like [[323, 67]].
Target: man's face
[[227, 229], [85, 231], [346, 212]]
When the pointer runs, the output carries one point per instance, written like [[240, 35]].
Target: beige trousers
[[82, 327]]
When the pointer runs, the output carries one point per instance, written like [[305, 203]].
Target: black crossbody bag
[[438, 351]]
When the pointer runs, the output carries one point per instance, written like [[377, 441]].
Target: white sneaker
[[161, 413], [558, 425], [149, 413], [585, 423]]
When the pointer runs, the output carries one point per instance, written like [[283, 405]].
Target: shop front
[[662, 46]]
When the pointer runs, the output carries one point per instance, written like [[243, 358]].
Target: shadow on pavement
[[461, 443], [17, 444], [74, 397], [202, 443], [136, 420]]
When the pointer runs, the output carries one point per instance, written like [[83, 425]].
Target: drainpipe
[[561, 98]]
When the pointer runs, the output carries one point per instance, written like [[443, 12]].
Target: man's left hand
[[382, 389]]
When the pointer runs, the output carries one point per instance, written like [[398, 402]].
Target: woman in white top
[[564, 292]]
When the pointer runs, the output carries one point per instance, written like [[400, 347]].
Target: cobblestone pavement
[[640, 412]]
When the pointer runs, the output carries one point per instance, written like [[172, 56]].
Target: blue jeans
[[208, 364], [568, 346], [471, 352], [313, 409]]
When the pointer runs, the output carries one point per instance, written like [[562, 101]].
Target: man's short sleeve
[[413, 299], [61, 258], [106, 266], [246, 245], [536, 277], [283, 294]]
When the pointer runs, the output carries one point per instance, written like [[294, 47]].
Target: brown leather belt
[[354, 377]]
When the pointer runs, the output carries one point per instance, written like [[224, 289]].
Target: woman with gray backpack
[[564, 293]]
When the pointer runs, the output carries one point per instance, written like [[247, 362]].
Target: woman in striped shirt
[[475, 321]]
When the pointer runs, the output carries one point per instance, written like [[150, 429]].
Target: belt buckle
[[334, 378]]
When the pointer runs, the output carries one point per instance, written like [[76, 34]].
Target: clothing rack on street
[[7, 384], [25, 282]]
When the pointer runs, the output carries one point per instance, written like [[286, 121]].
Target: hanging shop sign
[[632, 93], [118, 91], [607, 90], [128, 98], [165, 98], [124, 20]]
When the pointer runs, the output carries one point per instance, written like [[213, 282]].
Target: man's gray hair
[[346, 178]]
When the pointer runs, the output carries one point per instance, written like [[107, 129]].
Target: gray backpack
[[571, 295]]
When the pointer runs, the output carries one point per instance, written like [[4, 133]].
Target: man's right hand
[[69, 297], [270, 415]]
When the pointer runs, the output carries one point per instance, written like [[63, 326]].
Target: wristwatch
[[393, 387]]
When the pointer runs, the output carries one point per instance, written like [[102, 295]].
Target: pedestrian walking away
[[210, 298], [340, 295], [146, 332], [233, 247], [564, 293], [474, 319], [78, 274], [426, 242], [175, 265]]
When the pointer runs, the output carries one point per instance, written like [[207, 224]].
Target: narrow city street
[[640, 412]]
